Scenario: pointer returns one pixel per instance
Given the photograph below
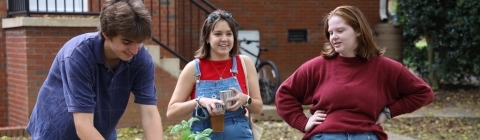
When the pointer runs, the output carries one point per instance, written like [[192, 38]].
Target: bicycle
[[268, 75]]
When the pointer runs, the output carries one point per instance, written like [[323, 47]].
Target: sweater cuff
[[301, 123], [395, 110]]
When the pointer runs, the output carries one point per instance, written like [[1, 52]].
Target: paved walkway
[[444, 112], [441, 112]]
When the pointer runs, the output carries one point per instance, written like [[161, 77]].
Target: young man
[[88, 86]]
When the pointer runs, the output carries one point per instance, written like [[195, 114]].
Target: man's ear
[[104, 36]]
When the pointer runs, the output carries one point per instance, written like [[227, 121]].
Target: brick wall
[[30, 52], [3, 70], [17, 77], [273, 18], [95, 7]]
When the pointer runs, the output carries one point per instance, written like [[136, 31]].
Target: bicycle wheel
[[269, 80]]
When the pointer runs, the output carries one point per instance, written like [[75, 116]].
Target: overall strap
[[234, 70], [197, 70]]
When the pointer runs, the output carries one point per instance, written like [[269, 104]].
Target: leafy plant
[[187, 134]]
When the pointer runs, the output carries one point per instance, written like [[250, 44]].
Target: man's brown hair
[[128, 18]]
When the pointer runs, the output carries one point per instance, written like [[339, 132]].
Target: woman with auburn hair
[[352, 88]]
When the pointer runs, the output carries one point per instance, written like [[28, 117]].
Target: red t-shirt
[[208, 72]]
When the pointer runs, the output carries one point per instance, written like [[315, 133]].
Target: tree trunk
[[432, 79]]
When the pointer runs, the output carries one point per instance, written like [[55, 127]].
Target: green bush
[[415, 58], [451, 30]]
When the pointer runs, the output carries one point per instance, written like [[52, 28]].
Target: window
[[58, 5]]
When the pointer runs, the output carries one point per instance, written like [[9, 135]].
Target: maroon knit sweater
[[352, 91]]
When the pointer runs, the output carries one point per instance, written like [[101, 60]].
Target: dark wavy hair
[[207, 28]]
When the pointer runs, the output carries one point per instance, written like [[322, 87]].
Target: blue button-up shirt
[[80, 81]]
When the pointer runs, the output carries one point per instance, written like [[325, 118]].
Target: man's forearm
[[153, 130], [84, 127], [151, 122]]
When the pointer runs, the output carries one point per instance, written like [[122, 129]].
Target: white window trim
[[62, 5]]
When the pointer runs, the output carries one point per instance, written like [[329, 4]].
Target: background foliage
[[451, 29]]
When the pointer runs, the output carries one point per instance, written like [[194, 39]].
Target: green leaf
[[207, 131], [184, 123], [199, 137], [176, 128], [193, 119], [186, 134]]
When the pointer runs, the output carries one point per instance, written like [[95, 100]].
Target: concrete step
[[170, 65]]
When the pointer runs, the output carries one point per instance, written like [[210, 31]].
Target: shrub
[[451, 31]]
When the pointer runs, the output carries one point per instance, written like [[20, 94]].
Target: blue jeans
[[344, 136]]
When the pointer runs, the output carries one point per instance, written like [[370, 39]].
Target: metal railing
[[189, 17], [70, 7]]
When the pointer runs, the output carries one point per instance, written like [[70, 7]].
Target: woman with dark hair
[[352, 88], [200, 82]]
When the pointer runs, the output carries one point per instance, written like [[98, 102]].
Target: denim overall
[[237, 125]]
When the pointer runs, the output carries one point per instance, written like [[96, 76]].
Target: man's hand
[[317, 118]]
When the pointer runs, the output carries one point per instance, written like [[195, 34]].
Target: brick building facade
[[29, 44]]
